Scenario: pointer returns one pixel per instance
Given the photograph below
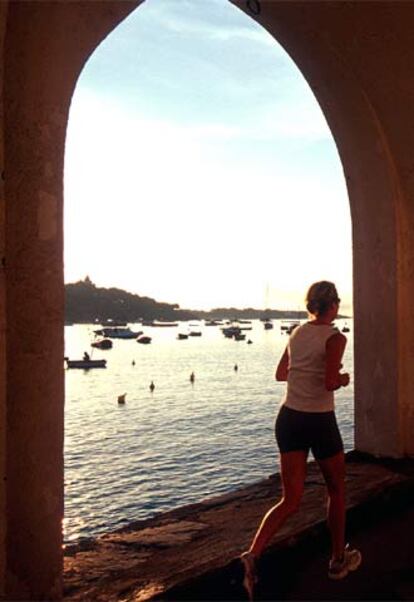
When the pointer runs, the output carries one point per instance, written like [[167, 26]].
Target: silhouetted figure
[[306, 422], [152, 386], [86, 357], [121, 399], [236, 367], [192, 377]]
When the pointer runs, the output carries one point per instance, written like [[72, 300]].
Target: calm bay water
[[183, 442]]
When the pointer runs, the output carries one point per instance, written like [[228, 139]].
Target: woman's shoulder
[[320, 332], [315, 327]]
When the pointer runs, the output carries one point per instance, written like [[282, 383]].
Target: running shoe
[[250, 577], [338, 569]]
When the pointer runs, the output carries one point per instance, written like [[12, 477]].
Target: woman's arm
[[283, 366], [335, 347]]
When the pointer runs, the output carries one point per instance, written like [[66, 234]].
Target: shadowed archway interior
[[358, 80]]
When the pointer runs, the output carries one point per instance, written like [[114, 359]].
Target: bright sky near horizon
[[199, 167]]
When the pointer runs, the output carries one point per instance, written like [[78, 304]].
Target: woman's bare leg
[[293, 473], [333, 470]]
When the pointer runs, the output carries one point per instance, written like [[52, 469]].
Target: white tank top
[[306, 389]]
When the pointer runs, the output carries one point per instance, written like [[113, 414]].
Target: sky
[[199, 167]]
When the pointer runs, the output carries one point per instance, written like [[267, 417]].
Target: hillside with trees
[[87, 303]]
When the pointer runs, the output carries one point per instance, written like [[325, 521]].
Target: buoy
[[236, 367], [133, 362], [121, 398], [192, 377], [249, 342], [152, 386]]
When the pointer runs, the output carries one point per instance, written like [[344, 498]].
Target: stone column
[[47, 44], [358, 58]]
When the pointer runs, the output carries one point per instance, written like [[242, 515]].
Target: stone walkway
[[191, 553]]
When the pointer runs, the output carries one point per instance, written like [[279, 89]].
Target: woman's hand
[[344, 379]]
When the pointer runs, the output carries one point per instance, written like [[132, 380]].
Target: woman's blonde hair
[[320, 297]]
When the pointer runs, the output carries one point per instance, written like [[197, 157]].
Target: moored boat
[[118, 333], [231, 331], [102, 344], [85, 364], [144, 340], [289, 325]]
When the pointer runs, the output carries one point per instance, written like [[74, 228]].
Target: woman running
[[306, 421]]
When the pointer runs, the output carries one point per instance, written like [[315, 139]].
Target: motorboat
[[85, 364], [117, 333], [164, 324], [194, 333], [346, 328], [182, 336], [289, 325], [268, 324], [102, 344], [231, 331], [144, 340], [239, 337]]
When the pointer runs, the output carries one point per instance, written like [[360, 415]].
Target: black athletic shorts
[[315, 431]]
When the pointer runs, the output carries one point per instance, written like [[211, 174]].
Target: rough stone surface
[[173, 549]]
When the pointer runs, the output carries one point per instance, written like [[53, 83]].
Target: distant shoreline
[[86, 303]]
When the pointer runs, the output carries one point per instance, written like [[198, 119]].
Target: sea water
[[184, 441]]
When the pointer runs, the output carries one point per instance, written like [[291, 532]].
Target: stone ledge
[[154, 557]]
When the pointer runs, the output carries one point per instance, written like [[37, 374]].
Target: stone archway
[[358, 79]]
